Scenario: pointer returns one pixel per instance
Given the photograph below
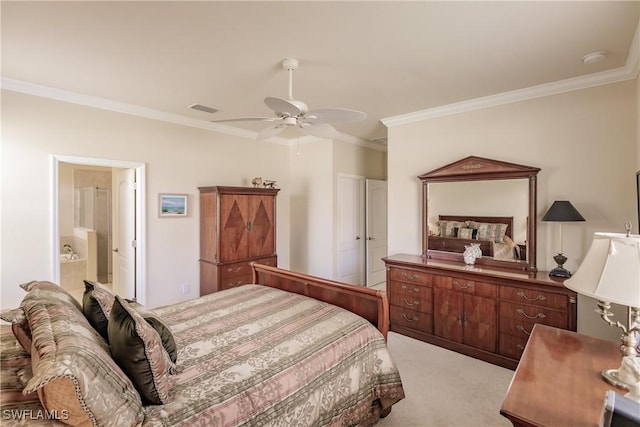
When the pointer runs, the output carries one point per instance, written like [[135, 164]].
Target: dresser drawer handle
[[234, 270], [520, 347], [538, 298], [411, 291], [410, 319], [404, 300], [523, 330], [537, 316], [413, 276], [467, 286]]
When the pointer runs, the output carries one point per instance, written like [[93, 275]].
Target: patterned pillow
[[51, 290], [137, 348], [19, 326], [73, 371], [96, 306], [467, 233], [161, 327], [447, 227], [16, 370], [490, 231]]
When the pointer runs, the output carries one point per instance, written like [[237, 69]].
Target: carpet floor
[[444, 388]]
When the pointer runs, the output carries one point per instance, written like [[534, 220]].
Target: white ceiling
[[384, 58]]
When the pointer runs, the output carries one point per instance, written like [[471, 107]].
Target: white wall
[[178, 160], [312, 207], [314, 170], [585, 143]]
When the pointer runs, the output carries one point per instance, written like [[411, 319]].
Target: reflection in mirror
[[499, 197], [496, 198]]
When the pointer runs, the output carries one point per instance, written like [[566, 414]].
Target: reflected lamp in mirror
[[561, 211], [610, 273]]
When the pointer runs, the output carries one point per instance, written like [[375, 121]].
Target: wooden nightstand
[[558, 381]]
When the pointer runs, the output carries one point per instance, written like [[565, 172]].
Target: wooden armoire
[[237, 226]]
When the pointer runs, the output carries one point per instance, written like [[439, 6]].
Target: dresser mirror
[[464, 199]]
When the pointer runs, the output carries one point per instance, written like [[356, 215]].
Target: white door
[[124, 252], [351, 229], [376, 226]]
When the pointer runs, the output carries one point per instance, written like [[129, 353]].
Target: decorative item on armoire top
[[561, 211], [269, 184], [257, 181], [610, 273], [471, 252]]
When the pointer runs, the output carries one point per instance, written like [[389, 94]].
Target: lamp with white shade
[[610, 273]]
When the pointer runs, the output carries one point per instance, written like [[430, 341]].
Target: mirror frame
[[475, 168]]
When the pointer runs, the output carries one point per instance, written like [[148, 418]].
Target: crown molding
[[628, 72], [130, 109], [548, 89], [136, 110]]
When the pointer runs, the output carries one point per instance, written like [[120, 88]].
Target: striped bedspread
[[258, 356]]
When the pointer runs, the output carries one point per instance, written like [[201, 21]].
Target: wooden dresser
[[481, 312], [558, 381], [237, 226]]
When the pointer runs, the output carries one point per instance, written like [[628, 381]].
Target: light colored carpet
[[444, 388]]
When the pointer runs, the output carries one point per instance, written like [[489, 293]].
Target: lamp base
[[612, 376], [560, 271]]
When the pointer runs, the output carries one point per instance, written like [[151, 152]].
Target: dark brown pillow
[[96, 306], [168, 341], [137, 348]]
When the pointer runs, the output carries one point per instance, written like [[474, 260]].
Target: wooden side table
[[558, 381]]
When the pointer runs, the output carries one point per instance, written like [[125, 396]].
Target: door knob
[[370, 238], [357, 237], [115, 250]]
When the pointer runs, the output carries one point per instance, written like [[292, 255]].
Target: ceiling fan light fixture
[[594, 57]]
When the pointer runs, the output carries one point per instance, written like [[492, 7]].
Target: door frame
[[139, 167]]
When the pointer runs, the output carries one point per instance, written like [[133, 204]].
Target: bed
[[290, 349], [493, 233]]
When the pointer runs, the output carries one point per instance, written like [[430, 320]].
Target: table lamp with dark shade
[[561, 211]]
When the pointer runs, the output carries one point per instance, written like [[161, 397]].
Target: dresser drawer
[[535, 297], [413, 297], [511, 346], [518, 319], [232, 282], [408, 318], [477, 288], [243, 268], [409, 276]]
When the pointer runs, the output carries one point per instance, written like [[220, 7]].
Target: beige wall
[[585, 143], [314, 170], [178, 159]]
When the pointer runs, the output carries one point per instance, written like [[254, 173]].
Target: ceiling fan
[[291, 112]]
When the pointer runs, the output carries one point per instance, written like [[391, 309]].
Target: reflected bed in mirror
[[494, 198], [494, 234]]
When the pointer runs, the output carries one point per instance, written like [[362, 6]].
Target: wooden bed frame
[[371, 304]]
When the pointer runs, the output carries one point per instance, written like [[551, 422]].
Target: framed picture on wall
[[172, 205]]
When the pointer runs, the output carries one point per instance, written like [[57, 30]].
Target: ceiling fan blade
[[283, 106], [334, 115], [320, 130], [248, 119], [270, 131]]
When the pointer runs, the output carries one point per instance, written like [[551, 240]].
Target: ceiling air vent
[[204, 108]]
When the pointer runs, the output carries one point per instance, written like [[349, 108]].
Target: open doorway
[[98, 224]]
